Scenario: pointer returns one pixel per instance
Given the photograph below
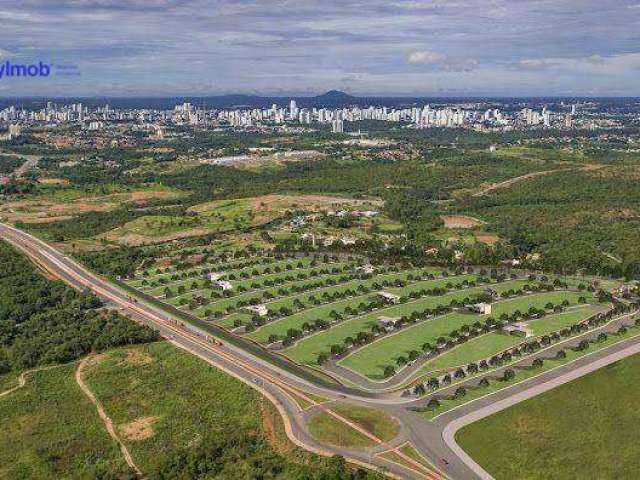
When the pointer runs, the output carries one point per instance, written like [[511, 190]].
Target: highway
[[435, 439]]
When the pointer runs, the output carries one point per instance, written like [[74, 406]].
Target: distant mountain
[[330, 99], [333, 98]]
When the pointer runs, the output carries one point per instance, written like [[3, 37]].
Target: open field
[[65, 204], [178, 416], [50, 430], [327, 429], [584, 429]]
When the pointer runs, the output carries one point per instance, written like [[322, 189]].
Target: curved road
[[434, 439]]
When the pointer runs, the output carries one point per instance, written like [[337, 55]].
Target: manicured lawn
[[371, 360], [585, 429], [523, 374], [429, 284], [355, 325], [558, 321], [307, 350], [538, 300], [476, 349]]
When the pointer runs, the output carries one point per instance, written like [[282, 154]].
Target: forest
[[43, 321]]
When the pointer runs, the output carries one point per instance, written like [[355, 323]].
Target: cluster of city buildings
[[458, 115]]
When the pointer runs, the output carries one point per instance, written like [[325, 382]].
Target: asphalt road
[[435, 439]]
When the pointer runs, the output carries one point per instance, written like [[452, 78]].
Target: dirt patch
[[270, 426], [53, 181], [487, 238], [460, 221], [139, 429]]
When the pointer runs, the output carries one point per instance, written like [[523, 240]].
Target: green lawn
[[473, 350], [371, 360], [51, 430], [538, 300], [523, 374], [307, 350], [558, 321], [280, 327], [585, 429]]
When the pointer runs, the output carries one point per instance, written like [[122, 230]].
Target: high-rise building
[[337, 126], [293, 110]]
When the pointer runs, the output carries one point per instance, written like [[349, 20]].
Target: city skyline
[[401, 48]]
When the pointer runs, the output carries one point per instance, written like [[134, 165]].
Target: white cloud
[[424, 57], [534, 63]]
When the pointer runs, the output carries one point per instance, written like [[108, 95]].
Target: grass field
[[473, 350], [538, 300], [307, 349], [50, 430], [371, 360], [525, 373], [279, 327], [169, 400], [493, 343], [327, 429], [375, 421], [178, 416], [558, 321], [584, 429]]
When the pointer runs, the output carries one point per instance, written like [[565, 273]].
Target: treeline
[[120, 261], [415, 210], [44, 321], [241, 456], [84, 225]]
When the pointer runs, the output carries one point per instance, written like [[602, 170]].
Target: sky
[[303, 47]]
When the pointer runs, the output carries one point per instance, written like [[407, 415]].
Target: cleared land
[[577, 430]]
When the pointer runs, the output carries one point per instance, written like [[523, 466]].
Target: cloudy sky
[[396, 47]]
